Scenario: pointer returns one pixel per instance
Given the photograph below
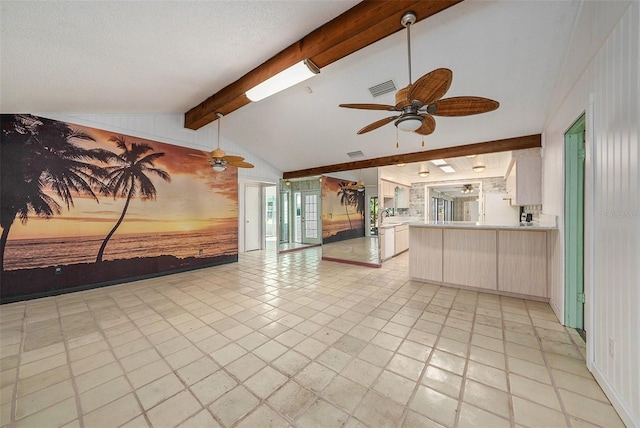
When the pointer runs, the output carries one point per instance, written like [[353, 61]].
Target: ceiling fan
[[220, 160], [418, 102], [467, 188], [358, 186]]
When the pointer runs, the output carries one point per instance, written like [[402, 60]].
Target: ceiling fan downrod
[[408, 19]]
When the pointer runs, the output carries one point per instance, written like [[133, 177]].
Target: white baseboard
[[629, 419]]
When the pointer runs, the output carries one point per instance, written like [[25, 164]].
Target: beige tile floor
[[292, 341]]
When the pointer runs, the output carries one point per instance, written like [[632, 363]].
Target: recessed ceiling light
[[447, 169], [478, 168], [439, 162]]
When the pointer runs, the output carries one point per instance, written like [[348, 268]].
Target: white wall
[[612, 206]]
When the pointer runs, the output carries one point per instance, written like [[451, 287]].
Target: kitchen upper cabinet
[[388, 189], [402, 196], [524, 182]]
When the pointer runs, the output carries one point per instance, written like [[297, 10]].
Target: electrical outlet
[[611, 348], [200, 252]]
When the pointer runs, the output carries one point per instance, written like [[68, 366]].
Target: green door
[[574, 225]]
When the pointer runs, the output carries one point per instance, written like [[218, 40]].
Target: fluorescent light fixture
[[478, 168], [283, 80], [447, 169], [439, 162]]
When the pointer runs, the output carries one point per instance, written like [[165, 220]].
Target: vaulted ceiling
[[170, 56]]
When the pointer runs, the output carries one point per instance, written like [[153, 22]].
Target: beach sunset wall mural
[[83, 207], [342, 210]]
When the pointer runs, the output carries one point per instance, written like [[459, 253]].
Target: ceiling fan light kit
[[419, 101], [293, 75], [423, 174], [220, 160], [478, 168], [218, 166], [409, 122]]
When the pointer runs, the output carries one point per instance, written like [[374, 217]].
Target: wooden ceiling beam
[[507, 144], [360, 26]]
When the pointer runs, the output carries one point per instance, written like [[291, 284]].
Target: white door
[[252, 217], [311, 231]]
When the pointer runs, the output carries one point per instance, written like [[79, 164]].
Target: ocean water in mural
[[84, 206], [35, 253]]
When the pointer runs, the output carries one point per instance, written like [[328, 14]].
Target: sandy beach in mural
[[340, 216]]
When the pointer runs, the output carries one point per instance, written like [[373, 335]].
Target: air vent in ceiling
[[356, 154], [382, 88]]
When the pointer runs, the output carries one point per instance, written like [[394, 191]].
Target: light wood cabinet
[[402, 239], [524, 182], [512, 262], [402, 196], [388, 189], [522, 262], [470, 258], [425, 257]]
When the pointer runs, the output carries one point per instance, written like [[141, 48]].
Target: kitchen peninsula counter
[[508, 260], [466, 225]]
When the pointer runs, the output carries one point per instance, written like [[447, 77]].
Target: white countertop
[[466, 225]]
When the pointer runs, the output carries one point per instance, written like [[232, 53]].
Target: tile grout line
[[512, 414], [456, 420], [546, 363], [14, 395], [70, 368], [426, 363], [119, 362]]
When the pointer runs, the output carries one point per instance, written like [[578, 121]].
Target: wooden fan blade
[[241, 164], [462, 106], [428, 126], [431, 87], [402, 99], [370, 106], [377, 124], [230, 158]]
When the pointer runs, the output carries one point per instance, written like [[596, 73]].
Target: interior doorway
[[252, 216], [574, 172], [270, 225], [310, 218]]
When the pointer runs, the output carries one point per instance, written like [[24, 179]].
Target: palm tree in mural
[[347, 198], [359, 202], [40, 155], [129, 178]]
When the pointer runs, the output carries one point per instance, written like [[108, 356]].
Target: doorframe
[[318, 194], [242, 184], [575, 288]]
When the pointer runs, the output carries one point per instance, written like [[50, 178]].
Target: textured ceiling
[[133, 57]]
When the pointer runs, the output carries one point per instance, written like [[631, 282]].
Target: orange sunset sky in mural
[[197, 198]]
